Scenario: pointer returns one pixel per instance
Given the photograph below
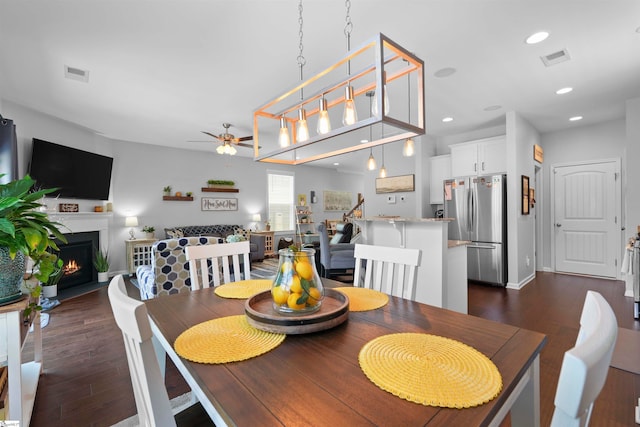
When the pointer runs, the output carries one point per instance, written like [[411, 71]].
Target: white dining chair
[[585, 366], [207, 261], [386, 269], [152, 401]]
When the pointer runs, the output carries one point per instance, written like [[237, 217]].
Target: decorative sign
[[337, 200], [395, 184], [214, 204], [538, 153], [68, 207]]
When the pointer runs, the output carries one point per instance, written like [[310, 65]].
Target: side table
[[268, 242], [138, 253], [22, 377]]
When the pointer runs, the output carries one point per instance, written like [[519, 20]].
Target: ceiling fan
[[229, 140]]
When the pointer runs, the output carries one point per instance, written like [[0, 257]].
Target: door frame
[[538, 250], [618, 205]]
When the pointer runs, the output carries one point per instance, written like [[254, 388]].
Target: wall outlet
[[391, 199]]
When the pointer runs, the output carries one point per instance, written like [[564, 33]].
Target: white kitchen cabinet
[[440, 170], [482, 157]]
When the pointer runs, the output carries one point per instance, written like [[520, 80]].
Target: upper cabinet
[[440, 170], [482, 157]]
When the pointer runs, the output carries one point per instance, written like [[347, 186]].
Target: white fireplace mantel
[[79, 222]]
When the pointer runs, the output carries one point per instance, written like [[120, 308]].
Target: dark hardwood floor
[[86, 378]]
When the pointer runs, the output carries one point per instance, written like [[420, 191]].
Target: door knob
[[558, 224]]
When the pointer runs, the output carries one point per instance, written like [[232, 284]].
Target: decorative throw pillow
[[235, 238], [175, 233], [242, 232]]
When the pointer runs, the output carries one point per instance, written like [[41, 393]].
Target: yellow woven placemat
[[226, 339], [243, 288], [430, 370], [363, 299]]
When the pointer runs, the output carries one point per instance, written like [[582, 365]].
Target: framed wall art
[[525, 195], [395, 184], [337, 200], [218, 204]]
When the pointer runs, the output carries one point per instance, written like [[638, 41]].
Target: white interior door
[[585, 218]]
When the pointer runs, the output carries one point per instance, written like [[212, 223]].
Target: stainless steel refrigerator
[[479, 207]]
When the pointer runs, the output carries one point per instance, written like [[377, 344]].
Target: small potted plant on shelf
[[189, 194], [267, 225], [220, 183], [101, 263], [148, 231], [167, 190]]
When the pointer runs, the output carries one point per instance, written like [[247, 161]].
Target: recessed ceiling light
[[537, 37], [492, 107], [575, 118], [336, 164], [445, 72], [564, 90], [447, 119], [362, 141]]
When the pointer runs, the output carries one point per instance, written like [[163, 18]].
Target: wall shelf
[[219, 190], [178, 198]]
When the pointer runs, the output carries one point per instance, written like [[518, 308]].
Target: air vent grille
[[76, 74], [555, 57]]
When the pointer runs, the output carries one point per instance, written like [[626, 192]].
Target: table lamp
[[257, 219], [131, 221]]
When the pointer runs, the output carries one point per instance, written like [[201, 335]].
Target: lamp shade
[[131, 221], [256, 217]]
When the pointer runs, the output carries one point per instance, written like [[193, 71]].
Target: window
[[281, 201]]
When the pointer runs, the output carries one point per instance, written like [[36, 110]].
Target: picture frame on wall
[[395, 184], [218, 204], [525, 195]]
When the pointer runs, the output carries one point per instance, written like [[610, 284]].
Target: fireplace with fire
[[77, 256]]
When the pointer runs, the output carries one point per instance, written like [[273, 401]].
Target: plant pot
[[267, 228], [11, 274], [149, 235], [103, 276], [50, 291]]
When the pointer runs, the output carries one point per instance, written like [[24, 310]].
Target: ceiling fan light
[[220, 149]]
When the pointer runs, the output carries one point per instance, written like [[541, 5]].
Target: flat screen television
[[78, 174]]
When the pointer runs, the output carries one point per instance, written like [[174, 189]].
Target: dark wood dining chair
[[152, 401]]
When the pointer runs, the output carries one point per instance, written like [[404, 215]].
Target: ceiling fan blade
[[245, 138], [245, 145], [210, 134]]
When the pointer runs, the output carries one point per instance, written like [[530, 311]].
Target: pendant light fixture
[[324, 124], [302, 129], [371, 162], [283, 136], [383, 170], [350, 114], [408, 148]]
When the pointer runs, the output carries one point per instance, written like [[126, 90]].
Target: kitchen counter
[[442, 274]]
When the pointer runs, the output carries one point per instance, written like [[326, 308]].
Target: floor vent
[[76, 74], [555, 57]]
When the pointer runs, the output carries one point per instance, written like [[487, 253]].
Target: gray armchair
[[334, 258]]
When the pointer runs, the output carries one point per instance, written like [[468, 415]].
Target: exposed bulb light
[[537, 37], [408, 149], [302, 130], [564, 90], [371, 162], [383, 172], [575, 118], [283, 138], [350, 115], [374, 106], [324, 124]]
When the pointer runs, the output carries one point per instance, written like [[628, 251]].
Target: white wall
[[600, 141], [630, 165], [140, 171]]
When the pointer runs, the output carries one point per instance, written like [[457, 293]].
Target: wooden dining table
[[315, 379]]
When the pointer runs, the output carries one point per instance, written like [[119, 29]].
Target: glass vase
[[297, 288]]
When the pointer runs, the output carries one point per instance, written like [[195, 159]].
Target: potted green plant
[[25, 231], [220, 183], [148, 231], [101, 263], [50, 287], [167, 190]]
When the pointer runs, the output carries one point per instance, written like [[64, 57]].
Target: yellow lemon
[[295, 285], [292, 302], [314, 296], [304, 270], [280, 295]]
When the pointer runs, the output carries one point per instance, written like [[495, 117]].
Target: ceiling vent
[[555, 57], [76, 74]]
